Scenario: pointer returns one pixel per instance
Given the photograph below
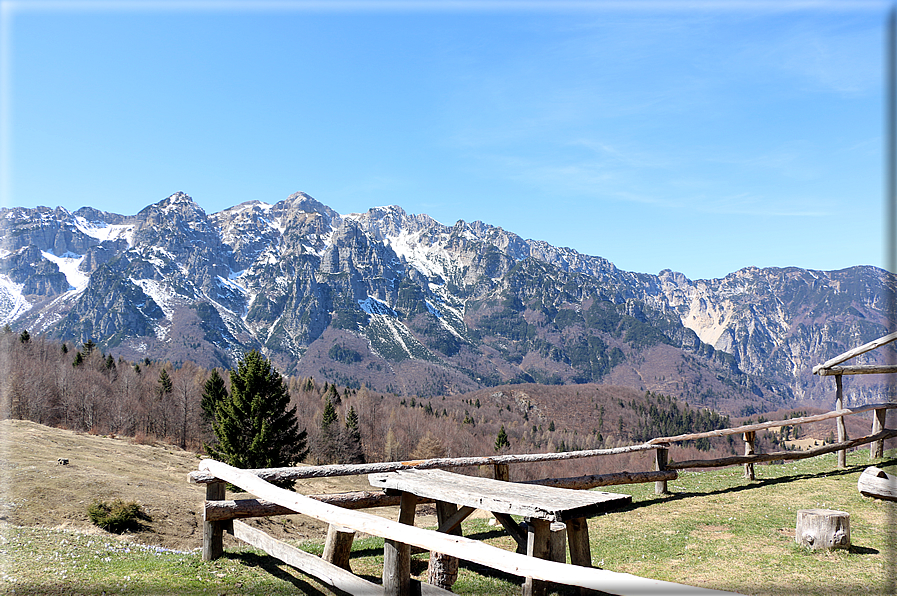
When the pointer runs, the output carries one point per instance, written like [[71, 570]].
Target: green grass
[[716, 530]]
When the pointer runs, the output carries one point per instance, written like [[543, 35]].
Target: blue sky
[[699, 137]]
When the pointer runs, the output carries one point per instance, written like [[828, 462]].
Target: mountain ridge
[[401, 302]]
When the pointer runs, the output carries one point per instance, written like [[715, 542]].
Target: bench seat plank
[[540, 502]]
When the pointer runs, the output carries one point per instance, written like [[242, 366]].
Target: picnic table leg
[[538, 544], [580, 550], [443, 569], [397, 556]]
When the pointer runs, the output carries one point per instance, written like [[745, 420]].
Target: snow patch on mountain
[[103, 231], [372, 306], [12, 301], [429, 260], [159, 293], [68, 264]]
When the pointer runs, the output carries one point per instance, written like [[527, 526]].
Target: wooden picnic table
[[457, 496]]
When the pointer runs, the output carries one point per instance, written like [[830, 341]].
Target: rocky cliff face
[[403, 303]]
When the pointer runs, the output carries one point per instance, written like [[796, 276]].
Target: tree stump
[[823, 529]]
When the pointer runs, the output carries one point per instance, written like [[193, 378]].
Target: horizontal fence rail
[[780, 455], [771, 424], [279, 474]]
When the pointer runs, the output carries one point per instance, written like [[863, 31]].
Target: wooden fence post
[[749, 450], [842, 427], [501, 472], [213, 531], [877, 448], [338, 546], [397, 555], [660, 463]]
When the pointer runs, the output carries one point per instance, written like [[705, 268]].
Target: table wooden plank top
[[529, 500]]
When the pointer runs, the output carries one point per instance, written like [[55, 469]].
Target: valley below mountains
[[401, 303]]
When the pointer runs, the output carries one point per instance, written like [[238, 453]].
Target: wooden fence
[[338, 509]]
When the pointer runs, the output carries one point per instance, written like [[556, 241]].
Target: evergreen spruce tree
[[88, 347], [25, 337], [165, 384], [328, 447], [214, 393], [501, 441], [254, 424], [352, 451], [333, 395]]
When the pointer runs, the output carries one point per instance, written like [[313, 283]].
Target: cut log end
[[875, 482], [823, 529]]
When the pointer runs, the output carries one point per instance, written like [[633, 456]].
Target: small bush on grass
[[117, 516]]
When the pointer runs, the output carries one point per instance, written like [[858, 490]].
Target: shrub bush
[[116, 517]]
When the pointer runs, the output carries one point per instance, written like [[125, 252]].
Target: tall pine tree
[[254, 426], [328, 447], [351, 447]]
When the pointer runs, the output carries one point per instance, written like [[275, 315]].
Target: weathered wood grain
[[749, 450], [595, 480], [277, 474], [529, 500], [213, 531], [877, 448], [322, 570], [338, 546], [875, 482], [442, 570], [867, 347], [771, 424], [786, 455], [397, 554], [842, 426], [858, 369], [823, 529]]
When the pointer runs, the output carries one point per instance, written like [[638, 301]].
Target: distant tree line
[[78, 387]]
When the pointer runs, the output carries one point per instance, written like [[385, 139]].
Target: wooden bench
[[540, 505]]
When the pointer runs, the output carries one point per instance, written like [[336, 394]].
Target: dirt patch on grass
[[37, 491]]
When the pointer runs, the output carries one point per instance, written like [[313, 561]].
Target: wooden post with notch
[[660, 463], [877, 448], [842, 427], [397, 555], [749, 450], [213, 531]]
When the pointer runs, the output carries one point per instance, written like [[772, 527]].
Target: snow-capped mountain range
[[400, 302]]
